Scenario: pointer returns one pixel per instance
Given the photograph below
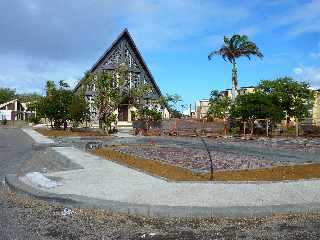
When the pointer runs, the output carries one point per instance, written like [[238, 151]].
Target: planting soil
[[196, 160], [68, 133], [176, 173]]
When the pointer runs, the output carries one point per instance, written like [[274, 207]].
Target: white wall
[[5, 114]]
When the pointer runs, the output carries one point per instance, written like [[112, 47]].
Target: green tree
[[235, 47], [258, 105], [50, 88], [7, 94], [79, 110], [110, 94], [112, 89], [29, 97], [136, 96], [219, 107], [55, 106], [173, 101], [293, 97]]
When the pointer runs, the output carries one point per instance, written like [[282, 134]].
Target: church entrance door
[[123, 112]]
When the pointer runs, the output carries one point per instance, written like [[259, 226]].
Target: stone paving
[[227, 153], [196, 159]]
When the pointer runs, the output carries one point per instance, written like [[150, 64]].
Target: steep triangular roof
[[125, 34], [7, 103]]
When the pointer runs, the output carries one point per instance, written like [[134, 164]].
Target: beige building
[[242, 90], [316, 108], [202, 106]]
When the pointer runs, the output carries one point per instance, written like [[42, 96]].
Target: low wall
[[181, 127]]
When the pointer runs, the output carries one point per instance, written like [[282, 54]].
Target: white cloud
[[214, 41], [310, 74], [167, 23], [298, 70], [29, 75], [250, 31], [301, 18], [315, 55]]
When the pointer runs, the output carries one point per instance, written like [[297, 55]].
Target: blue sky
[[61, 39]]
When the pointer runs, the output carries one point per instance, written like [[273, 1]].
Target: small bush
[[35, 120], [234, 130], [4, 122]]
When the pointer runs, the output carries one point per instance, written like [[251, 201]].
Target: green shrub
[[35, 120], [4, 122]]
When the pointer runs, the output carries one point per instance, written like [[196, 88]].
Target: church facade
[[123, 51]]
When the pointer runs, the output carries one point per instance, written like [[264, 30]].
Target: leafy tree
[[61, 101], [7, 94], [219, 107], [113, 89], [136, 95], [233, 48], [294, 98], [50, 88], [55, 106], [173, 101], [148, 116], [79, 110], [258, 105], [109, 95], [29, 97]]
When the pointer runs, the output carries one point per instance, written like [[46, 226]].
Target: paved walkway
[[37, 137], [138, 192]]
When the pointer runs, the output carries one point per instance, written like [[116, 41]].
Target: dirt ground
[[69, 133], [52, 221]]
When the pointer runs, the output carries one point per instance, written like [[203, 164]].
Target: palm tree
[[233, 48]]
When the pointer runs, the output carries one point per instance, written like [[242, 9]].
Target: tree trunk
[[252, 127], [234, 81]]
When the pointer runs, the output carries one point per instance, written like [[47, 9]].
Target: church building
[[124, 51]]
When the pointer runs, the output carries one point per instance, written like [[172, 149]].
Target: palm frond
[[235, 47], [226, 40]]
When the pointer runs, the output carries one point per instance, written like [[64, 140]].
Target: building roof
[[7, 103], [241, 88], [124, 34]]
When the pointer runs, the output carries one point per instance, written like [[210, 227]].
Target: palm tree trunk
[[234, 81]]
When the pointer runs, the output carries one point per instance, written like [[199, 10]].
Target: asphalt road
[[15, 149]]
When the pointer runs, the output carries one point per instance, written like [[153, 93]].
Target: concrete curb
[[76, 201], [38, 138]]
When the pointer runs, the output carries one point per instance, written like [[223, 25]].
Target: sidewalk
[[106, 184], [37, 137]]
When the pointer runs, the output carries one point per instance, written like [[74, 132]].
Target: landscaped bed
[[177, 173], [195, 159], [67, 133]]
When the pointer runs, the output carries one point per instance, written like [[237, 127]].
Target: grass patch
[[67, 133], [175, 173]]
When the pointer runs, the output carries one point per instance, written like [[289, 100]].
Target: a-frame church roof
[[125, 35]]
